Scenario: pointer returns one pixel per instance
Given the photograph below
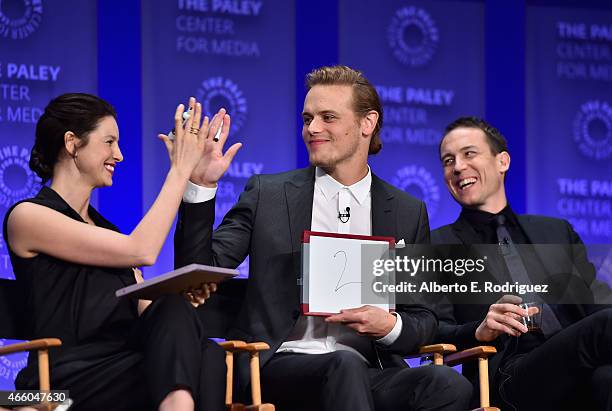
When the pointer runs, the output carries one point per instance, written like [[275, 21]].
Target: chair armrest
[[256, 347], [253, 350], [31, 345], [482, 351], [435, 349], [233, 345]]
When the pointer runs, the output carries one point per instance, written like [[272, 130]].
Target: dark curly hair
[[76, 112]]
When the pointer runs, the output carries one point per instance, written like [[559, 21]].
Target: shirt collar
[[330, 187], [480, 218]]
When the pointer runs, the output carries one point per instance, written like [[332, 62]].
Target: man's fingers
[[344, 318], [225, 129], [510, 299], [507, 330], [493, 326], [508, 321], [502, 308], [215, 123], [204, 128], [513, 315], [355, 310], [231, 152]]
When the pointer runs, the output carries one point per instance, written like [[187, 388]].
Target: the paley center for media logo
[[413, 36], [19, 18], [418, 181], [17, 181], [218, 92], [593, 129]]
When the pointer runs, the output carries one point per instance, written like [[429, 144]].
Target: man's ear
[[70, 143], [368, 123], [503, 161]]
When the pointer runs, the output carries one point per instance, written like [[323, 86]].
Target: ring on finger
[[194, 130]]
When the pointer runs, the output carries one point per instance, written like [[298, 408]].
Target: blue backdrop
[[46, 48], [540, 70]]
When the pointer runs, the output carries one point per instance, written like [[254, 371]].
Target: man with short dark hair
[[352, 360], [569, 364]]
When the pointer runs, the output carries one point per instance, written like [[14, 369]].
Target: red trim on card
[[307, 234], [305, 311]]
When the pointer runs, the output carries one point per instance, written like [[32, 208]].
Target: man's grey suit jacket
[[267, 224]]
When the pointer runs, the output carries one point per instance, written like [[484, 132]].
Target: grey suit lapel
[[383, 210], [299, 194]]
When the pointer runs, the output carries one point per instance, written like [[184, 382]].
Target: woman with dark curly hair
[[69, 260]]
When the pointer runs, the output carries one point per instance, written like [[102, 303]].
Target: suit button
[[296, 314]]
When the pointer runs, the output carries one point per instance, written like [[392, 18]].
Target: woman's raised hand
[[202, 141], [186, 149]]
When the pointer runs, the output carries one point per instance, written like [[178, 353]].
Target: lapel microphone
[[345, 217]]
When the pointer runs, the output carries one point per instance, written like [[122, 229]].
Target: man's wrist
[[395, 332], [195, 193]]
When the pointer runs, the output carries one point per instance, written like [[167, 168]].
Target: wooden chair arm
[[482, 351], [30, 345], [253, 349], [233, 345], [230, 348], [42, 347], [436, 350], [256, 346]]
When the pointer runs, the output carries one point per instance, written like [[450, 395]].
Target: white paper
[[332, 272]]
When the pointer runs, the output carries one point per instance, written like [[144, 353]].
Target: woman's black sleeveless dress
[[110, 357]]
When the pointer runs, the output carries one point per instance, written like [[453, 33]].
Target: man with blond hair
[[348, 361]]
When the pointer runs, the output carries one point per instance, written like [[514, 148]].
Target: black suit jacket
[[267, 224], [458, 323]]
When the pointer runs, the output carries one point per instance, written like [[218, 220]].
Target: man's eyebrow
[[320, 113], [328, 112], [462, 149]]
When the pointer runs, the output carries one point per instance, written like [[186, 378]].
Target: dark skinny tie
[[518, 272]]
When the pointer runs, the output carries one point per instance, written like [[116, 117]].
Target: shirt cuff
[[394, 334], [198, 194]]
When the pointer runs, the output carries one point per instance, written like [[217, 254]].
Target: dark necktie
[[518, 273]]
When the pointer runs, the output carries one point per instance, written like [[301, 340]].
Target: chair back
[[11, 312]]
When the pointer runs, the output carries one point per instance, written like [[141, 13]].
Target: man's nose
[[459, 166], [315, 126]]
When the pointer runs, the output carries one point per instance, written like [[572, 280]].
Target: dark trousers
[[572, 370], [342, 381], [165, 351]]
